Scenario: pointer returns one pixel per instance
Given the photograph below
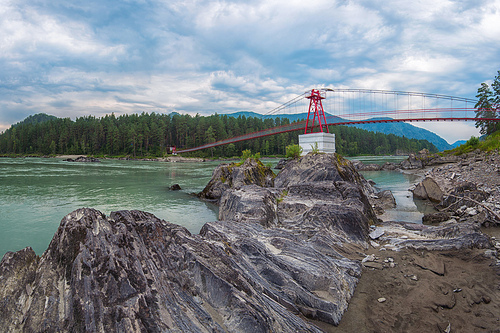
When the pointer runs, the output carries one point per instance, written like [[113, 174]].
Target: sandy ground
[[432, 291], [438, 291]]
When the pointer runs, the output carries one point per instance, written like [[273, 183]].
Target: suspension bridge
[[326, 107]]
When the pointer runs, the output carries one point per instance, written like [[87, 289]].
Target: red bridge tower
[[316, 104]]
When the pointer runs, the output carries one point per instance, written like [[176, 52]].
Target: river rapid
[[36, 193]]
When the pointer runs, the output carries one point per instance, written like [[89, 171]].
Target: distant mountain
[[399, 129], [458, 143], [36, 119], [408, 131]]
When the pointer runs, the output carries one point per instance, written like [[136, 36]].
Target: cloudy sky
[[81, 57]]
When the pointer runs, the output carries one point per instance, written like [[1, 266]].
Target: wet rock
[[175, 187]]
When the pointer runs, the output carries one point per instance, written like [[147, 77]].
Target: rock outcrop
[[84, 159], [277, 258], [448, 235], [132, 272], [319, 196], [234, 175]]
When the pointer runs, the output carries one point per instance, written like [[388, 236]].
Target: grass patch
[[489, 144]]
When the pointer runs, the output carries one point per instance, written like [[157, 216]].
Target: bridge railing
[[259, 134], [439, 114]]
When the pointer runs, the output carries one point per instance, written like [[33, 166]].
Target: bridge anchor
[[324, 142]]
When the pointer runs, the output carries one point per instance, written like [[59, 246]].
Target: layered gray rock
[[464, 194], [412, 162], [234, 175], [249, 203], [446, 236], [132, 272], [84, 159], [318, 167], [435, 217], [382, 200]]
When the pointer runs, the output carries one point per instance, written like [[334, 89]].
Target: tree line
[[153, 135], [488, 106]]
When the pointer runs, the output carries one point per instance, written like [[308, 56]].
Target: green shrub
[[473, 141], [293, 151], [314, 148], [247, 153]]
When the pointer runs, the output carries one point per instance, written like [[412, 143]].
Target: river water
[[36, 193], [407, 209]]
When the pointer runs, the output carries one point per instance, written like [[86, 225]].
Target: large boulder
[[382, 201], [428, 189], [132, 272], [236, 175], [316, 194]]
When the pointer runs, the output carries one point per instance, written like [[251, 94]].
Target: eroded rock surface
[[132, 272], [227, 176]]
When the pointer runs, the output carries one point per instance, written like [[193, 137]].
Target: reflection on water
[[407, 209]]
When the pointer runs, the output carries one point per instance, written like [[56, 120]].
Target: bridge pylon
[[323, 141], [316, 109]]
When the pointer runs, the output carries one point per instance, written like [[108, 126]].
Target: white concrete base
[[326, 142]]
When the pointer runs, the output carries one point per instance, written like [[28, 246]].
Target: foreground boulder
[[132, 272]]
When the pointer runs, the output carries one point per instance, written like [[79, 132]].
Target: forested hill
[[399, 129], [147, 135]]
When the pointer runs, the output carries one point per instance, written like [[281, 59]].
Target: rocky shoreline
[[290, 252], [412, 281]]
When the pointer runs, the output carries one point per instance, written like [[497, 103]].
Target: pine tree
[[484, 109]]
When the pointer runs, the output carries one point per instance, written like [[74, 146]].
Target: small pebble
[[381, 300]]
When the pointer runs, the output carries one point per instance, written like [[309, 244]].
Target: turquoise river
[[36, 193]]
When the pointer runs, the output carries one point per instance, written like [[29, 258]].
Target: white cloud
[[27, 33], [205, 56], [451, 131]]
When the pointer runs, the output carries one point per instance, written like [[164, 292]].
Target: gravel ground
[[481, 169]]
